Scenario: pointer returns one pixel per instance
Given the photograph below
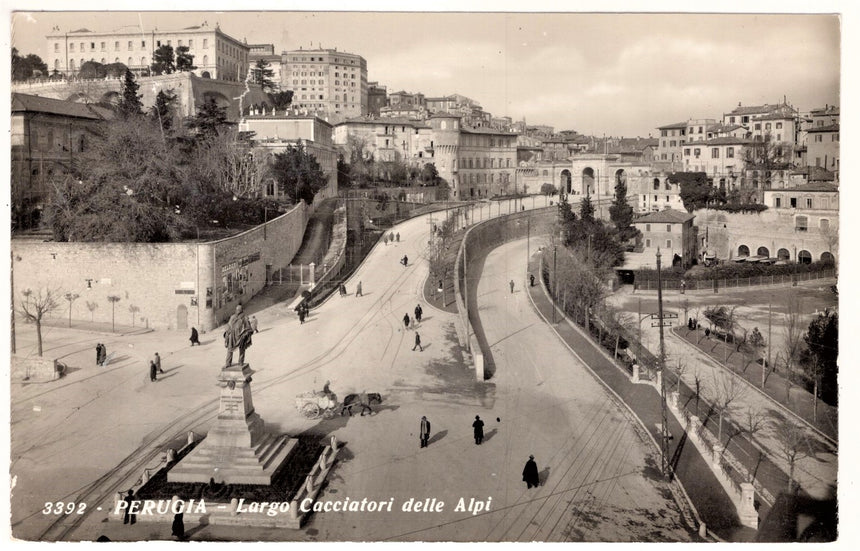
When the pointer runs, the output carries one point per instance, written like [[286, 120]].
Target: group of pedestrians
[[531, 476], [155, 367], [101, 355]]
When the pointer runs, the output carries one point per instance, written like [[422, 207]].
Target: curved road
[[599, 476]]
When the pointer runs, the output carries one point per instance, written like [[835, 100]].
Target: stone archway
[[763, 251], [804, 257], [566, 180], [828, 257], [783, 254], [587, 187], [743, 250]]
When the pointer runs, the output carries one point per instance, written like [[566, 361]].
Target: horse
[[364, 400]]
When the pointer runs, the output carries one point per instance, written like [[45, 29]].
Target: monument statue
[[237, 335]]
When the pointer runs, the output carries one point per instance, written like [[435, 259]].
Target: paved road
[[69, 433]]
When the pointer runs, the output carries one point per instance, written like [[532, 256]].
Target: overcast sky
[[618, 74]]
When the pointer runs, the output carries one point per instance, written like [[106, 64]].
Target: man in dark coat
[[358, 289], [98, 354], [417, 343], [152, 371], [424, 432], [195, 338], [157, 360], [129, 517], [478, 425], [418, 313], [406, 321], [530, 473], [178, 527], [237, 335]]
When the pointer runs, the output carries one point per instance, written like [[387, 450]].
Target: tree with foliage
[[722, 318], [764, 154], [757, 342], [164, 110], [281, 100], [184, 59], [586, 209], [27, 67], [298, 174], [36, 305], [209, 119], [429, 175], [263, 74], [694, 189], [163, 60], [343, 180], [819, 360], [548, 189], [621, 213], [361, 164], [130, 103]]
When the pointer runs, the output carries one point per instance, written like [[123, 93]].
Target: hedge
[[731, 270]]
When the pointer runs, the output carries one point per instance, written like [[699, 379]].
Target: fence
[[734, 283]]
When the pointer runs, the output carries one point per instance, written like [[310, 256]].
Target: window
[[697, 152], [648, 243], [669, 228], [730, 152], [800, 224], [809, 202], [777, 202], [668, 243], [92, 45], [663, 133], [778, 125], [767, 126], [793, 202], [686, 151], [758, 126], [143, 43], [715, 153], [834, 137], [824, 224], [71, 47], [205, 42], [130, 46], [56, 46], [648, 226], [732, 120], [779, 137]]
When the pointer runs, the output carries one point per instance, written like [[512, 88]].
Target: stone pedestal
[[237, 449], [747, 513]]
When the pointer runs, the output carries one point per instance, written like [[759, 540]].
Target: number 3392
[[63, 507]]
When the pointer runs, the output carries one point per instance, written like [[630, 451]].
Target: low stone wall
[[36, 368]]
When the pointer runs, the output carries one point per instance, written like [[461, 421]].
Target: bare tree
[[71, 297], [113, 299], [794, 447], [36, 305], [618, 322], [725, 390], [91, 306], [134, 310], [793, 339], [748, 424]]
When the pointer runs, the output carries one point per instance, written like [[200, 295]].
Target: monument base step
[[234, 466]]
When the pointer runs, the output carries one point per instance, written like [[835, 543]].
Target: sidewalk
[[702, 486]]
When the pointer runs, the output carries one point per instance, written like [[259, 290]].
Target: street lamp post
[[554, 282], [664, 430]]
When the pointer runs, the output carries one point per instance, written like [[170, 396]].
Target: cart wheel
[[328, 413], [310, 410]]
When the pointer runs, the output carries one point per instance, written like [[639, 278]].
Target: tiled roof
[[485, 130], [668, 216], [38, 104], [827, 128], [815, 174], [389, 121], [753, 109], [673, 125], [722, 140], [829, 110]]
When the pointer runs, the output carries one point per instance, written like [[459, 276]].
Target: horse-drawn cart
[[313, 404]]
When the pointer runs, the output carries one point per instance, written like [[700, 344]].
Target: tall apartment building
[[672, 137], [216, 54], [377, 98], [325, 80]]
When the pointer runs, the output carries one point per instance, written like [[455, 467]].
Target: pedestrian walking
[[406, 320], [404, 260], [358, 289], [103, 359], [418, 313], [157, 361], [530, 473], [385, 239], [707, 333], [152, 371], [478, 426], [129, 517], [398, 237], [424, 431], [254, 324], [418, 342], [391, 237], [178, 527], [195, 338], [512, 286], [532, 280], [98, 353]]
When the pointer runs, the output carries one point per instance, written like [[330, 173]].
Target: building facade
[[46, 134], [326, 80], [216, 54], [389, 139], [276, 133], [672, 232], [672, 137], [266, 52], [377, 98]]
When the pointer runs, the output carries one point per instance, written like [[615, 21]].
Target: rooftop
[[668, 216], [673, 125], [38, 104], [389, 121], [754, 109], [721, 140], [827, 128]]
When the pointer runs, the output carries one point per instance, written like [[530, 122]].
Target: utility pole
[[664, 430], [554, 283], [769, 337]]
